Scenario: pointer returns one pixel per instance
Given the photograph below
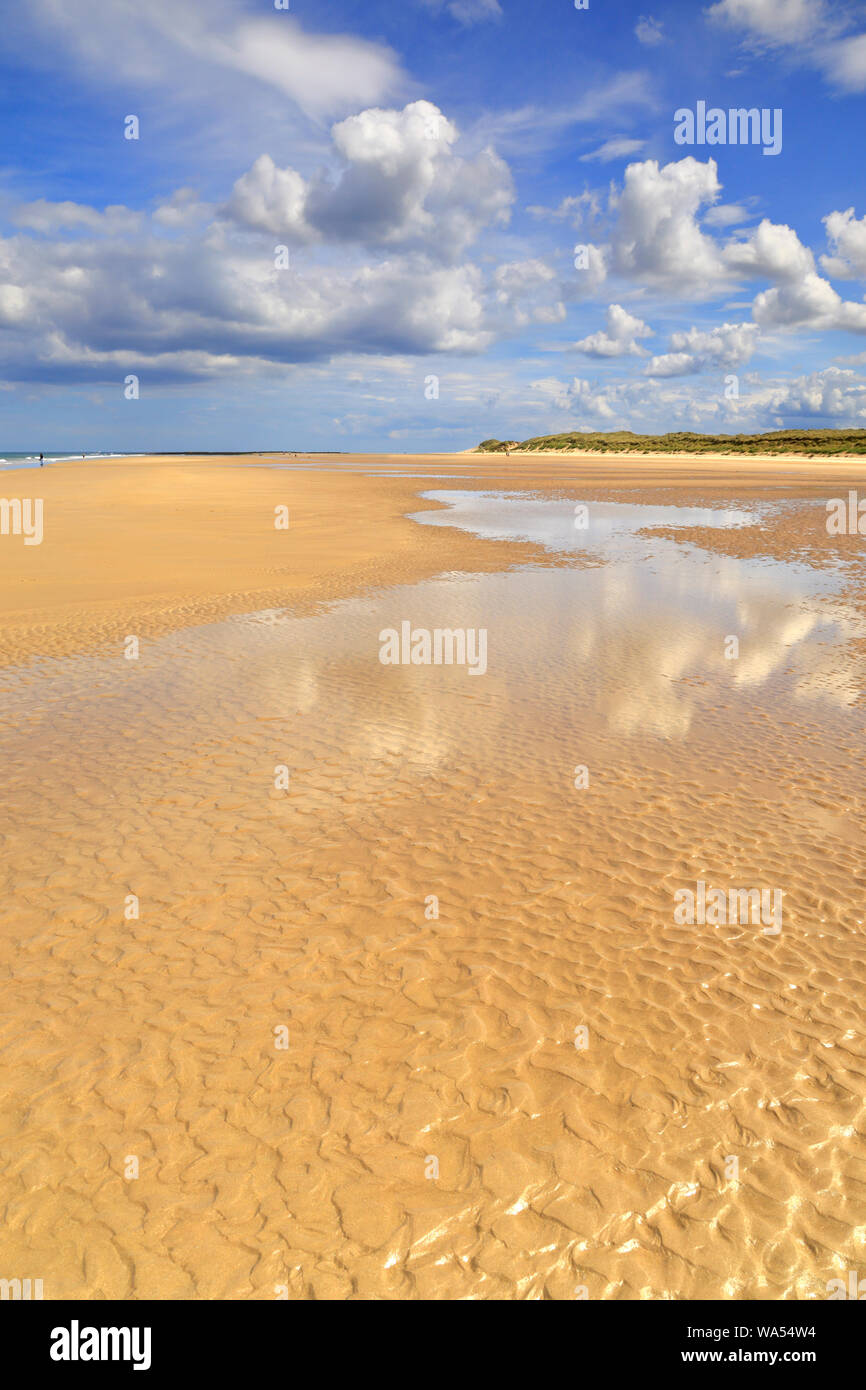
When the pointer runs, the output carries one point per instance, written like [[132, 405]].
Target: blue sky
[[430, 169]]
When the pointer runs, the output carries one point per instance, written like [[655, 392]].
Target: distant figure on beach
[[40, 461]]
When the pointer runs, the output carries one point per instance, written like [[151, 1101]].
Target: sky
[[368, 226]]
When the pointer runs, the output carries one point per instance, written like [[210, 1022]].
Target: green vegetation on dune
[[686, 442]]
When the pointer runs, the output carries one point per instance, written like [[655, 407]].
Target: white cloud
[[88, 294], [649, 31], [671, 364], [772, 21], [808, 303], [535, 127], [271, 200], [45, 216], [618, 148], [845, 63], [772, 250], [468, 11], [14, 305], [183, 209], [806, 31], [727, 344], [695, 350], [577, 209], [831, 397], [568, 396], [321, 72], [529, 289], [725, 215], [401, 183], [620, 338], [184, 46], [157, 304], [835, 394], [799, 296], [847, 236], [657, 237], [590, 271]]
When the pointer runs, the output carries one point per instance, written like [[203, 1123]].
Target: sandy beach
[[324, 978]]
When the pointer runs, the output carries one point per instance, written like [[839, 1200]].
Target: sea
[[11, 459]]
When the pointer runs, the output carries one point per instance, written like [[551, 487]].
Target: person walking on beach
[[40, 461]]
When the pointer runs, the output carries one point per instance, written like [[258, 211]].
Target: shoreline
[[349, 456]]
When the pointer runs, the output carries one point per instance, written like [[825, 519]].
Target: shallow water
[[556, 525]]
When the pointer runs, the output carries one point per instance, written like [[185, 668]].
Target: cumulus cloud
[[530, 289], [182, 210], [726, 345], [619, 338], [84, 292], [835, 394], [45, 216], [577, 394], [269, 199], [90, 307], [657, 236], [696, 350], [810, 302], [578, 208], [590, 272], [847, 235], [401, 183], [378, 267], [773, 250], [833, 397], [772, 21], [671, 364], [800, 296]]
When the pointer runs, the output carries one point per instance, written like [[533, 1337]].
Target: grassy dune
[[821, 442]]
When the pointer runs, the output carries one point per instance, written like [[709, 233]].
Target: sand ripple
[[304, 1169]]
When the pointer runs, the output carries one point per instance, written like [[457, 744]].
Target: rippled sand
[[306, 1171]]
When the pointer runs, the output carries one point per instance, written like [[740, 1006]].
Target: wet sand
[[149, 1030]]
